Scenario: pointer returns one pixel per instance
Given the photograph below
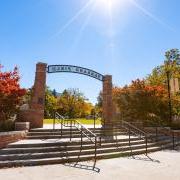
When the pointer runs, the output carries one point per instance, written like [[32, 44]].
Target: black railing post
[[104, 122], [54, 120], [94, 121], [81, 136], [156, 133], [100, 141], [129, 136], [70, 129], [146, 146], [173, 139], [95, 152], [61, 127]]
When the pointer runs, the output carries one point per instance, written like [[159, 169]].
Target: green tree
[[171, 65], [142, 102], [50, 103], [98, 105], [161, 74], [72, 103]]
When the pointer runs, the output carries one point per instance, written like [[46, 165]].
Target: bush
[[175, 126], [7, 125]]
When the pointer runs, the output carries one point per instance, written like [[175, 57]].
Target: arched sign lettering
[[74, 69]]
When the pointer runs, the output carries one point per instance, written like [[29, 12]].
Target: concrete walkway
[[58, 126], [165, 165]]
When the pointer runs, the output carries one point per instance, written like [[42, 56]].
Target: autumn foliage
[[10, 93], [141, 101], [70, 103]]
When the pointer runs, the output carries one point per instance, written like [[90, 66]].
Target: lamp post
[[172, 56], [94, 119], [169, 97], [54, 109]]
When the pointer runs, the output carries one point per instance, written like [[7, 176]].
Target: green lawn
[[82, 121]]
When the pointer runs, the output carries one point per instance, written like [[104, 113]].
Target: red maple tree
[[10, 93]]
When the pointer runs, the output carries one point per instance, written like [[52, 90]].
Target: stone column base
[[176, 121], [108, 131], [22, 126], [33, 116]]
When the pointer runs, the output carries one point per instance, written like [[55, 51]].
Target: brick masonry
[[108, 109], [10, 137], [22, 126], [35, 114]]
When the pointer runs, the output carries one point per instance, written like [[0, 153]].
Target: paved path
[[58, 126], [165, 166]]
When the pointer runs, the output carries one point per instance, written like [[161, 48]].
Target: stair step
[[76, 130], [50, 152], [21, 144], [74, 151], [60, 160], [47, 146], [63, 137], [77, 133], [66, 147]]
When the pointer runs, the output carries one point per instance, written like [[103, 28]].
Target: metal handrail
[[132, 130], [83, 130], [141, 132], [171, 134], [136, 128], [78, 125]]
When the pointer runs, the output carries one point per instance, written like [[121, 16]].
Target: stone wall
[[10, 137], [167, 131]]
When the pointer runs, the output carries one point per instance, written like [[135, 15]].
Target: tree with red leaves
[[10, 93], [141, 101]]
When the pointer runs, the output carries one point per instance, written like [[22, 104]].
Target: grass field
[[82, 121]]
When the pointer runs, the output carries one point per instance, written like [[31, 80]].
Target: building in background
[[174, 84]]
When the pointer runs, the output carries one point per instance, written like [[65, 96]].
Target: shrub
[[7, 125], [10, 94]]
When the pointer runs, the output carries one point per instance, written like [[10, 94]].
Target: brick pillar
[[38, 97], [108, 110], [35, 113]]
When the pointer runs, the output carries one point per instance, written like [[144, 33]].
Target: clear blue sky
[[126, 40]]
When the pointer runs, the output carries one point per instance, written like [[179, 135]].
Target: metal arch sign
[[75, 69]]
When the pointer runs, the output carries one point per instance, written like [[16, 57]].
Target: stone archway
[[35, 113]]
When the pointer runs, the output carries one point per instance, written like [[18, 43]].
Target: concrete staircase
[[47, 146], [65, 133]]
